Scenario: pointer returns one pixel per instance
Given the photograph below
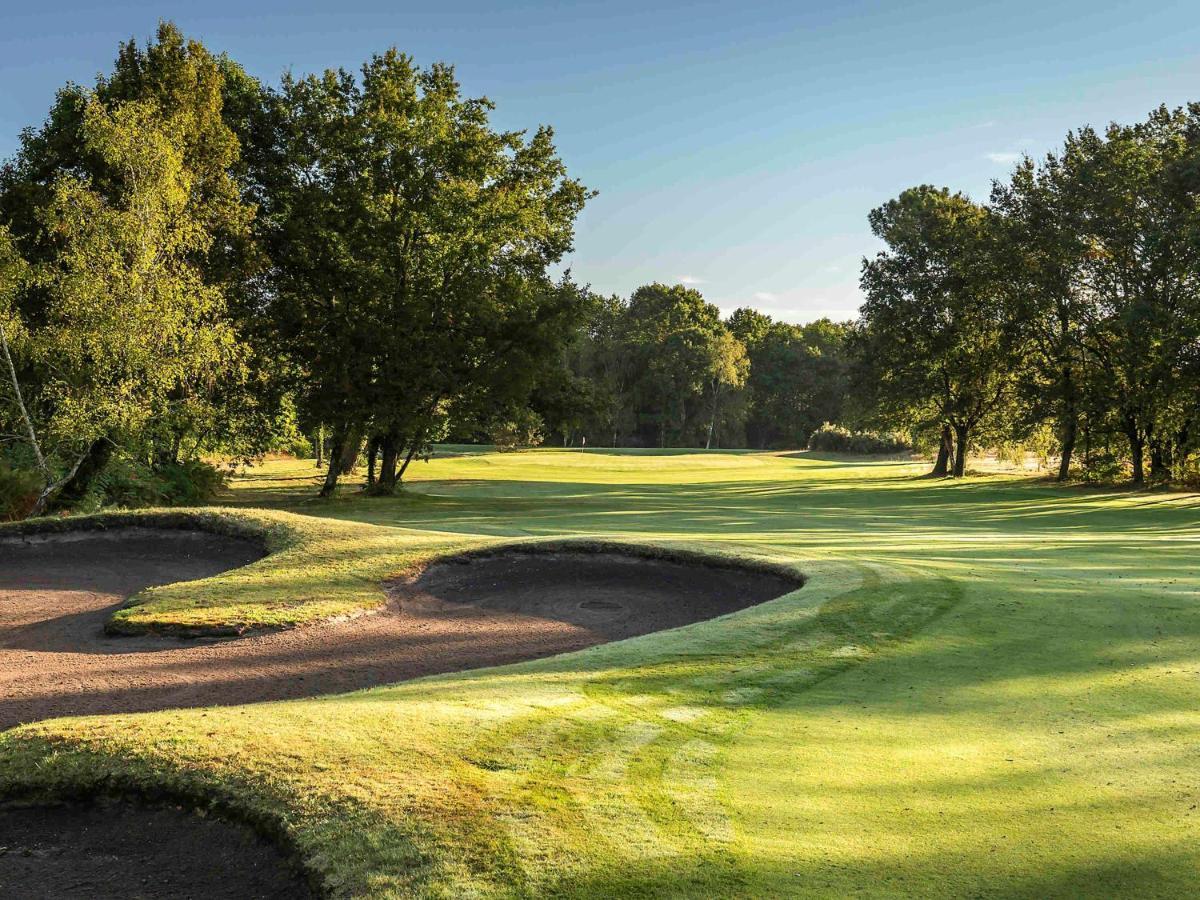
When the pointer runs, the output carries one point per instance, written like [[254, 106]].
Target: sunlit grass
[[989, 687]]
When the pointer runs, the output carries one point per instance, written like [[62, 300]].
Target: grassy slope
[[987, 687]]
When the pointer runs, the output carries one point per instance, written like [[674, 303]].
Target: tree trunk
[[942, 466], [372, 453], [961, 433], [351, 446], [389, 447], [1137, 450], [319, 442], [76, 488], [413, 447], [712, 422], [1070, 432], [1069, 425], [1160, 458], [335, 464]]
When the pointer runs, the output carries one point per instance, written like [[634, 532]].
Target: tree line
[[1066, 309], [662, 368], [194, 263]]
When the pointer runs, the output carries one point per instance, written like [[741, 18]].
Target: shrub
[[130, 484], [124, 483], [837, 439], [19, 490], [298, 447], [522, 429], [191, 482]]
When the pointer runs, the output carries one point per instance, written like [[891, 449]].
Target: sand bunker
[[598, 596], [472, 611], [119, 851]]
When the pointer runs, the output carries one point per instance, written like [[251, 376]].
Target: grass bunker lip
[[111, 850], [466, 611]]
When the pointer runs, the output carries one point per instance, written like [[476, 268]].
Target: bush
[[298, 447], [522, 429], [191, 482], [19, 489], [831, 438], [130, 484]]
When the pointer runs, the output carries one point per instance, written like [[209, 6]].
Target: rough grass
[[986, 687]]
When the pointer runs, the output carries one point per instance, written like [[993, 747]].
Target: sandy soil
[[122, 852], [56, 595]]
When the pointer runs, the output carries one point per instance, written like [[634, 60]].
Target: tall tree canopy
[[177, 88], [936, 340], [129, 325], [410, 244]]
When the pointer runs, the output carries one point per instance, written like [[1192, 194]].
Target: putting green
[[987, 687]]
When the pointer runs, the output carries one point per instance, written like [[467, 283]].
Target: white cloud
[[690, 279], [1003, 158], [766, 296]]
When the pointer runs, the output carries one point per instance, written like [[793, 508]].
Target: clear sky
[[736, 146]]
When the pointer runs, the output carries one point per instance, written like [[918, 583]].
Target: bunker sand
[[56, 594]]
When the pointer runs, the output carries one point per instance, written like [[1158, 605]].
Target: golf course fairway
[[986, 687]]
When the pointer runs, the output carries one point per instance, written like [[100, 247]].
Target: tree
[[411, 244], [1043, 248], [673, 336], [797, 378], [935, 343], [130, 323], [183, 84], [727, 368], [1140, 273]]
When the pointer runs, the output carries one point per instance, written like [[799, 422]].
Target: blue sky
[[736, 146]]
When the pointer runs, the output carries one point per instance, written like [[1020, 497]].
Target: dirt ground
[[56, 595], [123, 852]]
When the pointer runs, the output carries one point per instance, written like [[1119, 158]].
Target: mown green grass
[[986, 688]]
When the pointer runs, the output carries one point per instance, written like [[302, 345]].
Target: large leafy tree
[[936, 342], [678, 345], [1139, 277], [129, 324], [1042, 247], [410, 245], [179, 88]]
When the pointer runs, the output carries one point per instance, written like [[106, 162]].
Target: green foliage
[[662, 369], [1068, 311], [797, 378], [19, 489], [522, 429], [129, 484], [411, 244], [936, 343], [831, 438]]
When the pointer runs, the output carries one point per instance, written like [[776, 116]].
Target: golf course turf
[[986, 688]]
